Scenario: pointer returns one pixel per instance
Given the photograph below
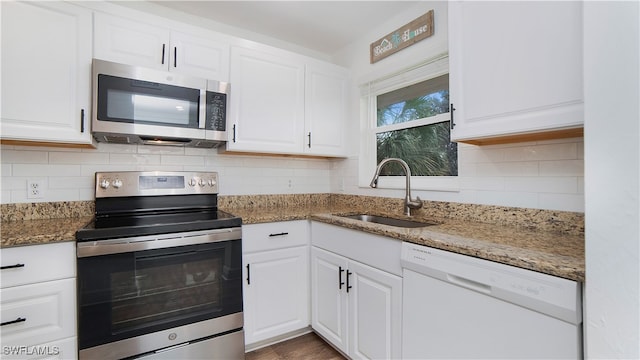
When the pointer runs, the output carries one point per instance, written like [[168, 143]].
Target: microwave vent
[[116, 139]]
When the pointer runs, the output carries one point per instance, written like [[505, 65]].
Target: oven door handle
[[150, 242]]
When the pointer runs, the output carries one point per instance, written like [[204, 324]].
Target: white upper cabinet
[[515, 69], [46, 72], [325, 109], [282, 103], [266, 103], [132, 42]]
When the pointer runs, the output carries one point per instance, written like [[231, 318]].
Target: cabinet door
[[375, 306], [131, 42], [41, 312], [267, 103], [199, 56], [326, 100], [46, 72], [515, 67], [276, 293], [329, 314]]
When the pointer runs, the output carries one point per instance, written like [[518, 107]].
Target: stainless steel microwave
[[134, 105]]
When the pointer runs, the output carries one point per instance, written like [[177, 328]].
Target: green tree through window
[[425, 147]]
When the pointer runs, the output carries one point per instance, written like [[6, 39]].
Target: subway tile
[[90, 170], [563, 202], [5, 197], [555, 184], [581, 150], [581, 184], [481, 154], [543, 152], [115, 148], [160, 150], [86, 194], [44, 170], [72, 182], [200, 152], [181, 160], [481, 183], [562, 168], [159, 168], [24, 157], [134, 158], [525, 168], [5, 169], [13, 183], [78, 158]]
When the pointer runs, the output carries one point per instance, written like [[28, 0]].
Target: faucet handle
[[414, 204]]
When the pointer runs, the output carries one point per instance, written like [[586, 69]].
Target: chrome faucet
[[408, 202]]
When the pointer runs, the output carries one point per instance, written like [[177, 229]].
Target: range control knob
[[104, 183], [212, 182], [117, 183], [202, 182], [192, 182]]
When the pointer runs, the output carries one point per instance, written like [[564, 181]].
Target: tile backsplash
[[541, 175], [68, 174]]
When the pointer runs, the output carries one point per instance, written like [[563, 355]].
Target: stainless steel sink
[[388, 221]]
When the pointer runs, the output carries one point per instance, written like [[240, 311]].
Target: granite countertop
[[551, 252], [42, 231]]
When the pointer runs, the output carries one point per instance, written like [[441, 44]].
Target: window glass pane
[[421, 100], [426, 149]]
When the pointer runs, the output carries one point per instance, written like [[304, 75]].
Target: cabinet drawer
[[381, 252], [48, 310], [37, 263], [277, 235]]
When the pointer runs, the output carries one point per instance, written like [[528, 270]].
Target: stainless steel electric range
[[159, 270]]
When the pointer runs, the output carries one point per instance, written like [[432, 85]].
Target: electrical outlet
[[35, 189]]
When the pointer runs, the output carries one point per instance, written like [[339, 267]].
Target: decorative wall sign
[[419, 29]]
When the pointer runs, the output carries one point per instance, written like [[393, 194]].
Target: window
[[408, 128], [407, 116]]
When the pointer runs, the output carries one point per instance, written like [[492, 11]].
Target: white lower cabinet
[[276, 279], [38, 302], [355, 306]]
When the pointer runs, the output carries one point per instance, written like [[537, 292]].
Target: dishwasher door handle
[[469, 284]]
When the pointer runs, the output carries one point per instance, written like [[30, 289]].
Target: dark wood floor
[[306, 347]]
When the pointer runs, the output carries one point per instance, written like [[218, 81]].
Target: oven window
[[131, 294], [154, 292]]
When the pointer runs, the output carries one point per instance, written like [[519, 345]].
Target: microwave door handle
[[202, 112]]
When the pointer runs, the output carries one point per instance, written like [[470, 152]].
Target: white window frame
[[429, 69]]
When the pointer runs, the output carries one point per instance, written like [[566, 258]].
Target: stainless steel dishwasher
[[457, 306]]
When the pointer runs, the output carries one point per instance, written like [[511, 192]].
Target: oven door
[[157, 285]]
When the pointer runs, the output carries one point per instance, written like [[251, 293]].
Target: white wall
[[545, 175], [68, 174], [612, 170]]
